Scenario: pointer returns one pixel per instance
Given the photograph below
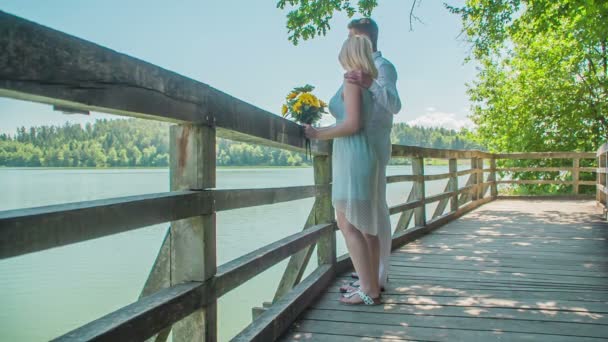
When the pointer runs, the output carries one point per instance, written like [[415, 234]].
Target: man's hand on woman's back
[[359, 78]]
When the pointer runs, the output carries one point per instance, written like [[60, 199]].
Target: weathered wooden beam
[[228, 199], [321, 212], [30, 230], [144, 318], [480, 179], [453, 167], [193, 240], [238, 271], [44, 65], [420, 211], [538, 169], [401, 178], [545, 155], [602, 150], [411, 234], [557, 197], [324, 211], [492, 178], [437, 176], [405, 206], [535, 181], [575, 175], [271, 324], [297, 263], [406, 216], [444, 201], [257, 311], [160, 278], [425, 152], [465, 191], [438, 197], [586, 182], [465, 172]]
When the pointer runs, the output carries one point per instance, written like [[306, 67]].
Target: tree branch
[[413, 17]]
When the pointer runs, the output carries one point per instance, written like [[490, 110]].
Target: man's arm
[[384, 89]]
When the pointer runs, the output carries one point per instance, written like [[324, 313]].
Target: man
[[386, 104]]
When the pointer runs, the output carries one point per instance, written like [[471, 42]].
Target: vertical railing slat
[[575, 175], [492, 178], [474, 179], [326, 247], [419, 191], [453, 168], [193, 240]]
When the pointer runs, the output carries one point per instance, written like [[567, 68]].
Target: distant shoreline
[[432, 162]]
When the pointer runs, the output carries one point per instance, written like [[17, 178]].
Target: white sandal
[[367, 300]]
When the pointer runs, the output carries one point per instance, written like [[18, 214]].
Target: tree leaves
[[307, 19]]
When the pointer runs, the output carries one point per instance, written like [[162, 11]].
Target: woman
[[356, 168]]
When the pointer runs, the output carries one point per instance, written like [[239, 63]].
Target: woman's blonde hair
[[356, 54]]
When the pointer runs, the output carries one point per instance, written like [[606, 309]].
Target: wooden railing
[[43, 65], [602, 178], [574, 170]]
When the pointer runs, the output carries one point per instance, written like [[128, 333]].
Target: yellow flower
[[307, 98], [297, 106], [323, 104], [284, 110], [317, 103], [292, 96]]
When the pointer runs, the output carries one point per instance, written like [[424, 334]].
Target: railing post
[[419, 191], [324, 210], [480, 179], [193, 240], [453, 169], [474, 179], [602, 182], [492, 179], [575, 175]]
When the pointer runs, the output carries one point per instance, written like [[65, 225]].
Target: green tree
[[543, 81], [543, 84]]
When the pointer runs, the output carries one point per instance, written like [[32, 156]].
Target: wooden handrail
[[240, 270], [545, 155], [152, 313], [75, 74], [34, 229]]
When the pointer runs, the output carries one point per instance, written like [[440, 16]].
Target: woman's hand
[[310, 132]]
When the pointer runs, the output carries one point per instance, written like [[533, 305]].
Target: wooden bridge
[[512, 268]]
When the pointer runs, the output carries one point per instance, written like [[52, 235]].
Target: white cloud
[[440, 119]]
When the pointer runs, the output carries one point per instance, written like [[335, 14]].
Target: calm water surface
[[45, 294]]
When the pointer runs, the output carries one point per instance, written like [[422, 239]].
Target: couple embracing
[[363, 107]]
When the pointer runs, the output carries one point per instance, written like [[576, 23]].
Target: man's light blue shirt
[[386, 103]]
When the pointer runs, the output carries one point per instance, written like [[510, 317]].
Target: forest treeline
[[145, 143]]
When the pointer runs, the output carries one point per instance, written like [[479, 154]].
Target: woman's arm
[[352, 122]]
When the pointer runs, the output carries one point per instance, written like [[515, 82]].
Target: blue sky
[[241, 48]]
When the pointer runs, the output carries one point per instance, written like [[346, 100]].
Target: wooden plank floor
[[511, 270]]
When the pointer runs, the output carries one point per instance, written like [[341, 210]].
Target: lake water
[[46, 294]]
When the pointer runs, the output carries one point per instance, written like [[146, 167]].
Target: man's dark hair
[[368, 27]]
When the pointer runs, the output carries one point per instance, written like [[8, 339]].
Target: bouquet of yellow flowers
[[304, 107]]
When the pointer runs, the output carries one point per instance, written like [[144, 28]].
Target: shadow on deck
[[511, 270]]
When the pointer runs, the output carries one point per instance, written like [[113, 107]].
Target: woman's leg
[[357, 247]]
